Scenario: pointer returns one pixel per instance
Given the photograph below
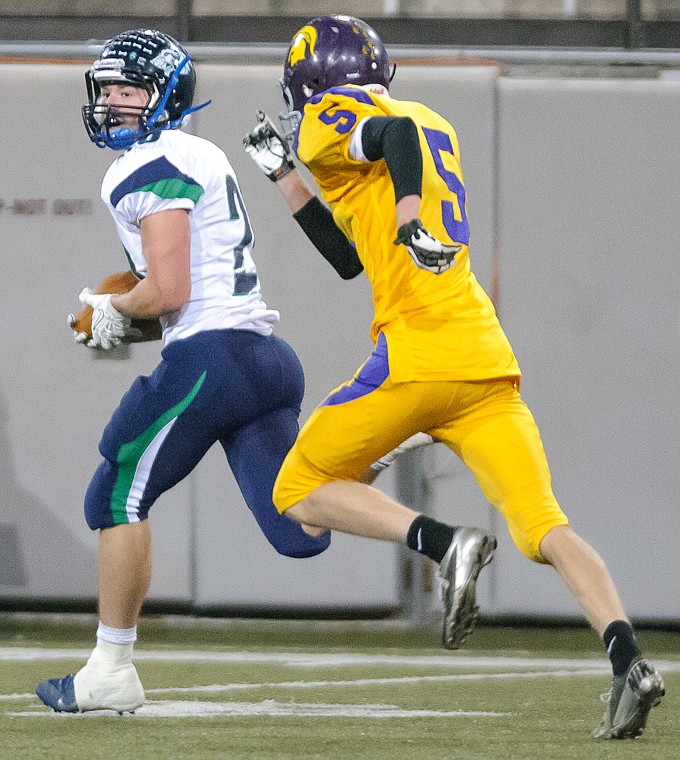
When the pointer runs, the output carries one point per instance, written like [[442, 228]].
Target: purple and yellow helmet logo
[[303, 44]]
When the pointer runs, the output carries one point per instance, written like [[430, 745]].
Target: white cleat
[[119, 690], [89, 689]]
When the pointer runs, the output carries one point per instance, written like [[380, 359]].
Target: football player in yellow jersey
[[390, 174]]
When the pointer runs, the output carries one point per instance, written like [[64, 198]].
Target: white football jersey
[[179, 170]]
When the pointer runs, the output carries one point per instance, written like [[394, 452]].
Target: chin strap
[[174, 81], [177, 122], [160, 108]]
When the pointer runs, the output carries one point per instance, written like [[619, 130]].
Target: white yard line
[[271, 708], [214, 688], [221, 688], [307, 660], [322, 659], [525, 668]]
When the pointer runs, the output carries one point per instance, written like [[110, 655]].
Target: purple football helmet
[[331, 51]]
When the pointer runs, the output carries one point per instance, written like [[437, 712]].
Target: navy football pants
[[233, 386]]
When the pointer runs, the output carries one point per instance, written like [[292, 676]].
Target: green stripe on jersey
[[173, 188]]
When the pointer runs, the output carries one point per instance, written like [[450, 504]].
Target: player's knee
[[298, 544], [95, 516], [104, 508], [311, 547], [529, 548], [287, 501], [528, 540], [301, 512]]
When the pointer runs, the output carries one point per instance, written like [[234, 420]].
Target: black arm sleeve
[[395, 138], [318, 224]]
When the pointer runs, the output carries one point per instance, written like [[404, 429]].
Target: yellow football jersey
[[438, 327]]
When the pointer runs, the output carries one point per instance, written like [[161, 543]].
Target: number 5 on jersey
[[454, 219]]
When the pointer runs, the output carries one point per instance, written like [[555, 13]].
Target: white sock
[[117, 635], [114, 648], [106, 656]]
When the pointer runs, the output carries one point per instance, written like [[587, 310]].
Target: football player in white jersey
[[224, 376]]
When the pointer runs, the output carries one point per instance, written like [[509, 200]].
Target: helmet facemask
[[103, 121], [289, 117]]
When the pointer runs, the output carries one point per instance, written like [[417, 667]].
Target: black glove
[[426, 251]]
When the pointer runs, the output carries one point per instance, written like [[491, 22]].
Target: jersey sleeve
[[328, 123], [155, 186]]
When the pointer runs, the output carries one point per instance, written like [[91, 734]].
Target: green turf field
[[287, 689]]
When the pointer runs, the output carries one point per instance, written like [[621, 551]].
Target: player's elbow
[[352, 271], [182, 294], [171, 296], [175, 300]]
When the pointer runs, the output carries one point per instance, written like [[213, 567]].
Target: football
[[120, 282]]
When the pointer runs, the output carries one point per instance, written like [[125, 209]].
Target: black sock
[[621, 644], [429, 537]]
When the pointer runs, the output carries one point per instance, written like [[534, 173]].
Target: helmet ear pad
[[332, 51]]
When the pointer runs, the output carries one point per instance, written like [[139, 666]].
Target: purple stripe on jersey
[[371, 376], [361, 95], [155, 171]]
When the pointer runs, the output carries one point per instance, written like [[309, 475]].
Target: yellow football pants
[[486, 423]]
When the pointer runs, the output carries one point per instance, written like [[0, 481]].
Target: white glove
[[414, 442], [426, 251], [79, 337], [110, 328], [269, 149]]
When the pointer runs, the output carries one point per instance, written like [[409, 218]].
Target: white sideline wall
[[574, 179]]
